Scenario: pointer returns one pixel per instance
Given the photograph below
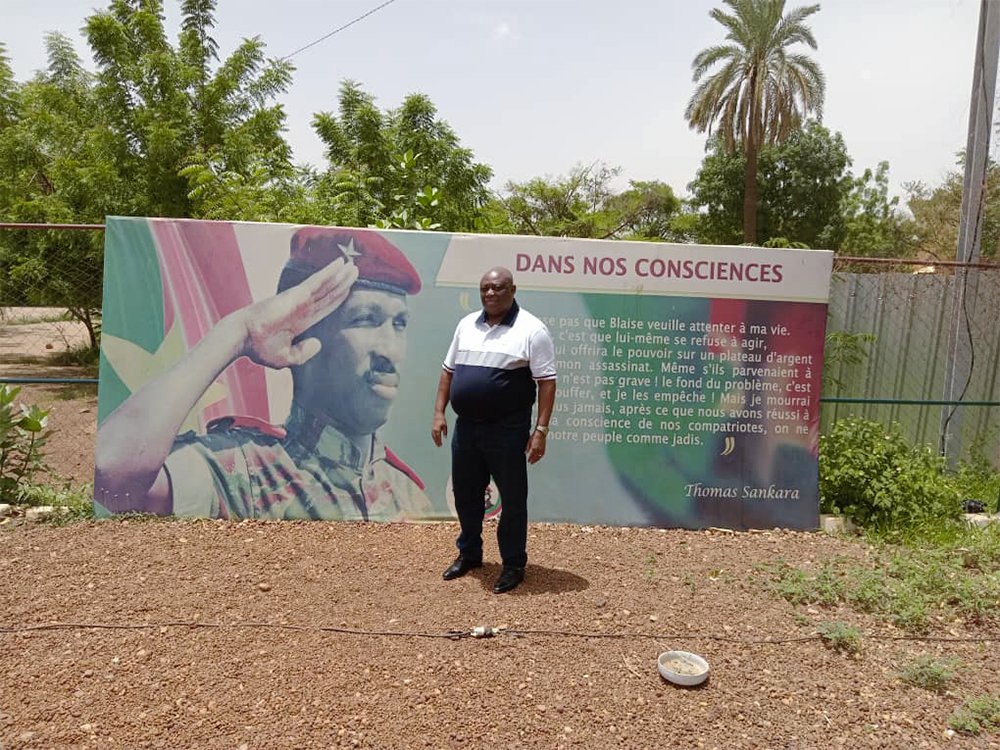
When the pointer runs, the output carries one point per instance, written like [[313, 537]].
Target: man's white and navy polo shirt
[[494, 369]]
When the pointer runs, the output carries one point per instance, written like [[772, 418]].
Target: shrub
[[843, 351], [22, 436], [841, 637], [928, 673], [977, 715], [872, 475]]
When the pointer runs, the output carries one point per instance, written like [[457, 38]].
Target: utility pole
[[959, 366]]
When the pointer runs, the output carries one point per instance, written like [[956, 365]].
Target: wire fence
[[50, 296], [890, 353]]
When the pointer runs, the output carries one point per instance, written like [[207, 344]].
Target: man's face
[[496, 292], [355, 377]]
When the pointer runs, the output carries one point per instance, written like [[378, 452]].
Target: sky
[[535, 87]]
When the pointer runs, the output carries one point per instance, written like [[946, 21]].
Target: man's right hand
[[273, 324], [439, 428]]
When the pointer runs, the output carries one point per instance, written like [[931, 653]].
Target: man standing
[[339, 322], [490, 373]]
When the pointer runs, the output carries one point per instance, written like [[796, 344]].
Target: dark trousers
[[480, 450]]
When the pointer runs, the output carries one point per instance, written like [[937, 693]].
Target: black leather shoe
[[508, 579], [460, 567]]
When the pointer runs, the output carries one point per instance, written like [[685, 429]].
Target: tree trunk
[[750, 193], [751, 142], [86, 316]]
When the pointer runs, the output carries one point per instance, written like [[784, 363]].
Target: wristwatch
[[542, 428]]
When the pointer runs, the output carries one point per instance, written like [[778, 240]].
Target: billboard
[[688, 376]]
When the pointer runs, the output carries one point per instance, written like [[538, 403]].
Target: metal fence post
[[960, 349]]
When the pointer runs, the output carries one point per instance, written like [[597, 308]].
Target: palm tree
[[759, 93]]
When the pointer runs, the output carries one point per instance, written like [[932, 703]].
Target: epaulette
[[397, 463], [224, 424]]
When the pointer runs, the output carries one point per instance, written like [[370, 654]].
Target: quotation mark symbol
[[730, 446]]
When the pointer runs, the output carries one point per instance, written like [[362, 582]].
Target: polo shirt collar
[[508, 319]]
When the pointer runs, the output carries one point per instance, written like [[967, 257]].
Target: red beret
[[380, 263]]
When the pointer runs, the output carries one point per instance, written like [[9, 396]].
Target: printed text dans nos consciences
[[705, 270]]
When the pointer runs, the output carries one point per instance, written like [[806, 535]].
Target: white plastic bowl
[[682, 667]]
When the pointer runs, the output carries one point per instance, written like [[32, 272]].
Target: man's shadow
[[538, 579]]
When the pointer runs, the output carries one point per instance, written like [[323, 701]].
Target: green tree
[[77, 146], [575, 205], [55, 168], [804, 182], [584, 204], [937, 212], [9, 105], [803, 186], [716, 194], [648, 210], [261, 191], [404, 167], [759, 92], [8, 90], [166, 108], [873, 224]]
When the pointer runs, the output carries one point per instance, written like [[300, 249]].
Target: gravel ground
[[215, 634], [157, 634]]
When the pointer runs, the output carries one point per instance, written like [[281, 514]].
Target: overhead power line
[[323, 38]]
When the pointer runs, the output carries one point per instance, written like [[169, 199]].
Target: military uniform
[[246, 468]]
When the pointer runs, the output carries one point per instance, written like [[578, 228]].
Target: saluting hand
[[273, 324]]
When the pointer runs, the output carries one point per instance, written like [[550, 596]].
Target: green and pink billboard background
[[689, 376]]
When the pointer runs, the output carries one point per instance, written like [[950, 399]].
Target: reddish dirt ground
[[314, 635], [203, 634]]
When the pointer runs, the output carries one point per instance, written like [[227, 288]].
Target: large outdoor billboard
[[688, 375]]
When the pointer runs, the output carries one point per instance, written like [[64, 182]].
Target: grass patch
[[26, 359], [74, 391], [133, 516], [78, 501], [80, 356], [949, 574], [928, 673], [977, 715], [798, 586], [841, 637], [27, 320]]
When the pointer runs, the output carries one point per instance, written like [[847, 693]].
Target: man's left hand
[[536, 447]]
